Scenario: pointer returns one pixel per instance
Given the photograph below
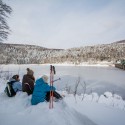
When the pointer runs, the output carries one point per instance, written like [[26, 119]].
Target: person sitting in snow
[[28, 82], [41, 91], [13, 86], [17, 85]]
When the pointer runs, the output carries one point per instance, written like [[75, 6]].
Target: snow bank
[[85, 109], [18, 110], [107, 99], [112, 100], [101, 114]]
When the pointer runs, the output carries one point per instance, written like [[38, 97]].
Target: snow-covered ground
[[84, 109], [92, 110]]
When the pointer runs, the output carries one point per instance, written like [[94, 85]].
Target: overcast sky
[[66, 23]]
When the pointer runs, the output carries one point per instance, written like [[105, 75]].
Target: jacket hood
[[39, 81], [30, 72], [12, 80]]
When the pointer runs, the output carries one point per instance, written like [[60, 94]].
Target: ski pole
[[50, 86], [56, 79], [53, 73]]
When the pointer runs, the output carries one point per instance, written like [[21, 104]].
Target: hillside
[[122, 41], [31, 54], [24, 54]]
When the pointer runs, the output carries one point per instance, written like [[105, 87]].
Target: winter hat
[[45, 78], [29, 71], [16, 77]]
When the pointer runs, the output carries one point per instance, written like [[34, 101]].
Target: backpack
[[9, 89]]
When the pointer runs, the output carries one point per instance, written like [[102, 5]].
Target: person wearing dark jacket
[[28, 82], [41, 91]]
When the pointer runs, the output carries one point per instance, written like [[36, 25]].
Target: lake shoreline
[[97, 64]]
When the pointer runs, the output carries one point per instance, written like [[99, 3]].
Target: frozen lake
[[97, 79]]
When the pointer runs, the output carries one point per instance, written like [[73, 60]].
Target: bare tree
[[83, 85], [84, 89], [68, 89], [5, 10], [1, 71], [76, 86]]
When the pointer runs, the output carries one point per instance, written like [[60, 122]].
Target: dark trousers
[[55, 94]]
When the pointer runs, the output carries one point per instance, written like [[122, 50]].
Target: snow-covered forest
[[30, 54]]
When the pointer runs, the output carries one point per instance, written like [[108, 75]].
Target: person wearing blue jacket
[[17, 85], [41, 91], [13, 86]]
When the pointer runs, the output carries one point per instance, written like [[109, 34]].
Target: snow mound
[[82, 109], [112, 100], [18, 110]]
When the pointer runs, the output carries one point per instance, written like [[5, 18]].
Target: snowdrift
[[92, 109], [18, 110]]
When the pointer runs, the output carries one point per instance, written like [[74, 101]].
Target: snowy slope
[[18, 110], [93, 110], [101, 114]]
